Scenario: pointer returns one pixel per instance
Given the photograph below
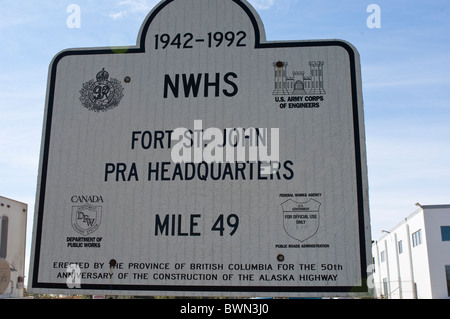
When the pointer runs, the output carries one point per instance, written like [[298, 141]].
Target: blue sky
[[405, 73]]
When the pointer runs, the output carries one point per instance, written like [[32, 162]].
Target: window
[[447, 274], [400, 247], [3, 236], [445, 233], [417, 238], [382, 256], [385, 287]]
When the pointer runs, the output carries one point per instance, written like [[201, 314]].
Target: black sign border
[[363, 288]]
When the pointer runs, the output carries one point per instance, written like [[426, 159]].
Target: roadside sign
[[204, 161]]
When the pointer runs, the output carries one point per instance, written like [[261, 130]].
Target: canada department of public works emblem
[[301, 219], [103, 94], [86, 219]]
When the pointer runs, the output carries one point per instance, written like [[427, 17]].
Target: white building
[[13, 223], [412, 260]]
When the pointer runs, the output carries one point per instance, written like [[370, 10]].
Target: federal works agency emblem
[[301, 219], [102, 94]]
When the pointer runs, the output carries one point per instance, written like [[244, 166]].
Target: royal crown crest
[[103, 94]]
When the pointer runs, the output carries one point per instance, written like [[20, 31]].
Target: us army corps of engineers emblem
[[103, 94]]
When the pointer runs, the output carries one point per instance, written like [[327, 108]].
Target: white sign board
[[203, 161]]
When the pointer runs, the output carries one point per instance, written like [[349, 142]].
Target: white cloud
[[125, 7], [133, 7], [262, 4], [138, 5], [407, 163], [117, 15]]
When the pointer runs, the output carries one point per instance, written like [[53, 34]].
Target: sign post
[[203, 161]]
